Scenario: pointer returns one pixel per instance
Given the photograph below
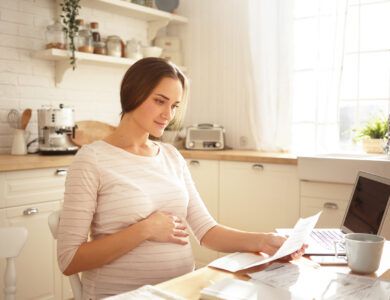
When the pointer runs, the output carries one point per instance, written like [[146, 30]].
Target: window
[[341, 75]]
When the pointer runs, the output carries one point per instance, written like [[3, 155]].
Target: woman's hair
[[141, 79]]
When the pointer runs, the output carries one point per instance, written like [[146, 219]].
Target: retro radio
[[205, 137]]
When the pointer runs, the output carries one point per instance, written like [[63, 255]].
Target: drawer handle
[[331, 205], [194, 163], [61, 172], [31, 211], [258, 167]]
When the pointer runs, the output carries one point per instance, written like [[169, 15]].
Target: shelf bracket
[[62, 67], [154, 27]]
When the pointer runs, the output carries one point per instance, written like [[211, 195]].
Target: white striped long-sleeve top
[[108, 189]]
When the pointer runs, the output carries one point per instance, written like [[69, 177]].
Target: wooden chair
[[12, 242], [75, 282]]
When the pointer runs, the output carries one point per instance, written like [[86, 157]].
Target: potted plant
[[172, 134], [373, 134], [70, 11]]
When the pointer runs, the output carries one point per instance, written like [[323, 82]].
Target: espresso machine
[[56, 128]]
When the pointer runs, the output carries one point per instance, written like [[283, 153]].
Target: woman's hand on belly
[[164, 227]]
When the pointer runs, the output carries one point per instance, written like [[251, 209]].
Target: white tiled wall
[[26, 82]]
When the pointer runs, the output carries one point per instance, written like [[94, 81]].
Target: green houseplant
[[373, 134], [70, 11]]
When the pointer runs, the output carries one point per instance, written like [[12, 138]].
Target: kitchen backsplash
[[92, 90]]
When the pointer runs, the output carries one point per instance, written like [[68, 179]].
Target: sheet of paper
[[230, 288], [239, 261], [146, 292], [236, 289], [299, 235], [323, 284]]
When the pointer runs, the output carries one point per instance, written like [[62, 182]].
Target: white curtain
[[217, 57], [270, 44], [239, 55], [319, 51]]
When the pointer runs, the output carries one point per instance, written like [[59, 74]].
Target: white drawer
[[325, 190], [332, 210], [31, 186]]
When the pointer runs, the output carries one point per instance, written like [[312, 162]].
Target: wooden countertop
[[243, 155], [35, 161]]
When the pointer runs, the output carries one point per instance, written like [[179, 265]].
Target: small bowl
[[151, 51]]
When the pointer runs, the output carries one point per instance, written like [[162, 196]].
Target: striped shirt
[[108, 189]]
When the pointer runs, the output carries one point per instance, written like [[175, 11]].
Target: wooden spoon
[[26, 116]]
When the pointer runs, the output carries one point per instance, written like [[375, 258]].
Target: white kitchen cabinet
[[331, 198], [205, 174], [258, 197], [26, 199]]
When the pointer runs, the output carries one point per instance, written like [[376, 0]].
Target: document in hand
[[240, 261]]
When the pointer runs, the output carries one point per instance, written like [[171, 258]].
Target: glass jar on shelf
[[84, 42], [133, 49], [55, 36], [95, 32], [100, 48], [114, 46]]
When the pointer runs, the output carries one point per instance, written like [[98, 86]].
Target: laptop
[[366, 213]]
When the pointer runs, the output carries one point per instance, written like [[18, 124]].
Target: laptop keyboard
[[326, 238]]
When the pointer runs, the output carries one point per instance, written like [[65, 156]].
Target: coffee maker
[[56, 126]]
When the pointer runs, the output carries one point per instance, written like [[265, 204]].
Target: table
[[190, 285]]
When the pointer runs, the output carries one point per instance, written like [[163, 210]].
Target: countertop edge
[[35, 161]]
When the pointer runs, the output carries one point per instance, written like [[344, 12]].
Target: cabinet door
[[205, 175], [258, 197], [31, 186], [331, 198], [36, 266]]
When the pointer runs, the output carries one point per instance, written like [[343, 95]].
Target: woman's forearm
[[104, 250], [225, 239]]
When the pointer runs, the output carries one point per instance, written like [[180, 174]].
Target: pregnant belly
[[151, 263]]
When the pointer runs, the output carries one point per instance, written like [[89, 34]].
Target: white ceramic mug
[[364, 251], [19, 142]]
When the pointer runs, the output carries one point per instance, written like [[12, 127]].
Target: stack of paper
[[235, 289], [230, 288]]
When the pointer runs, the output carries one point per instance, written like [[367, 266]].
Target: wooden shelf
[[63, 66], [59, 55], [134, 10]]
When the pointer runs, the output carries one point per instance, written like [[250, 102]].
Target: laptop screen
[[368, 204]]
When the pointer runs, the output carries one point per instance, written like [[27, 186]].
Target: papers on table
[[229, 288], [302, 281], [235, 289], [239, 261], [146, 292]]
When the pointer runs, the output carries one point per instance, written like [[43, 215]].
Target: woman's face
[[155, 113]]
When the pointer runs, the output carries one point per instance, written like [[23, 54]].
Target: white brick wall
[[26, 82]]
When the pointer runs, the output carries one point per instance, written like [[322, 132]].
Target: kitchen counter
[[36, 161], [33, 161], [243, 156]]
